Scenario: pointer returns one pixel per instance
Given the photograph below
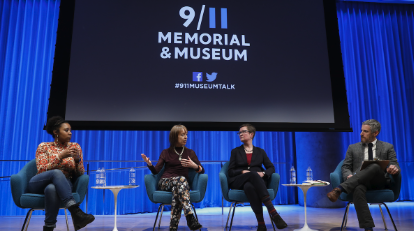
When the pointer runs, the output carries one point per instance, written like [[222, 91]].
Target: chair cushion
[[240, 196], [37, 201], [375, 196], [166, 197]]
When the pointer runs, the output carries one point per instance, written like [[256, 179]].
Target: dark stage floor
[[244, 219]]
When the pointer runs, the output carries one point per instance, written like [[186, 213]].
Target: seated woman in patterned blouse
[[177, 160], [57, 162]]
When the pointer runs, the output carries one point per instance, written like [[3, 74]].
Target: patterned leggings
[[181, 197]]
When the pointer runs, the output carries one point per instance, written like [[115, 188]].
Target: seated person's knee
[[51, 188], [57, 172], [375, 167]]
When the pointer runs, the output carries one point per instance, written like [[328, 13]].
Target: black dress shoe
[[280, 223], [46, 228], [79, 218], [192, 222], [261, 228]]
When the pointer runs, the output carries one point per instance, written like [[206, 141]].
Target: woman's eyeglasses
[[242, 132]]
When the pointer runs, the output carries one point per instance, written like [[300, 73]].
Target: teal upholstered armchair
[[238, 196], [373, 196], [198, 185], [25, 200]]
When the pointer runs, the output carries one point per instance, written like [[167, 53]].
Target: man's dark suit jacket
[[238, 163], [355, 156]]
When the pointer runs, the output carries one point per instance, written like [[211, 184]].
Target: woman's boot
[[192, 222], [79, 218]]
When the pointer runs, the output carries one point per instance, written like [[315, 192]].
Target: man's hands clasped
[[392, 169]]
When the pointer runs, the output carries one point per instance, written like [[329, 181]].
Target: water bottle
[[309, 174], [292, 175], [98, 177], [132, 176], [103, 177]]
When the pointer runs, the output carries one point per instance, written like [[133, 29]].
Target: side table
[[115, 190], [304, 188]]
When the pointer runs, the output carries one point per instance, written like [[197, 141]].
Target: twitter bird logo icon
[[211, 77]]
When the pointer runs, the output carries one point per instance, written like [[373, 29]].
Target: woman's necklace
[[179, 154], [60, 147], [248, 151]]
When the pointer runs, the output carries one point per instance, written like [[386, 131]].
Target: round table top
[[115, 186], [304, 185]]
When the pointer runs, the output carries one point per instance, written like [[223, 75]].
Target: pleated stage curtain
[[377, 42], [27, 39], [377, 52]]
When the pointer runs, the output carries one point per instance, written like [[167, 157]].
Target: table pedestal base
[[306, 228], [115, 191], [304, 188]]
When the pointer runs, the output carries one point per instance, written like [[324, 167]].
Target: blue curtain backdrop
[[377, 46], [27, 40], [377, 42]]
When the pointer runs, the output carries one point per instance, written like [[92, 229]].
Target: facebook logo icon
[[197, 76]]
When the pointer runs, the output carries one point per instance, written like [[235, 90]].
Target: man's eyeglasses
[[242, 132]]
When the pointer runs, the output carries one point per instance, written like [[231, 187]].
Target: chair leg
[[382, 215], [345, 219], [66, 217], [162, 211], [231, 222], [392, 220], [228, 216], [156, 218], [273, 224], [195, 213], [27, 220], [347, 214]]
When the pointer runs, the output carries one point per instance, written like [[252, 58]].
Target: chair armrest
[[150, 185], [395, 185], [81, 186], [274, 183], [224, 186], [202, 185], [335, 179], [336, 175], [195, 181], [18, 185]]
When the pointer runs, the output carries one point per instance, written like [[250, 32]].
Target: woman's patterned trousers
[[181, 197]]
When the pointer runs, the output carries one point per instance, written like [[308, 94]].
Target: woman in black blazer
[[246, 173]]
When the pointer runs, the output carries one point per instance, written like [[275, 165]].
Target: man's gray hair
[[373, 124]]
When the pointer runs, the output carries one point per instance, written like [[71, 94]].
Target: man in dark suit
[[246, 173], [372, 177]]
